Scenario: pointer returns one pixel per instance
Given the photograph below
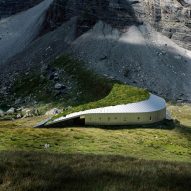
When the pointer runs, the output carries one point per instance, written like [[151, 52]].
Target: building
[[145, 112]]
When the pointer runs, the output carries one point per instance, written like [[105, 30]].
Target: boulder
[[1, 113], [59, 86], [53, 111], [168, 115], [30, 112], [11, 111], [19, 115]]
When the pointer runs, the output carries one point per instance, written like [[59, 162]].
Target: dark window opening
[[71, 122]]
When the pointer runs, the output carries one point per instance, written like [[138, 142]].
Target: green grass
[[32, 171], [120, 94], [154, 142], [89, 86], [84, 85], [135, 158]]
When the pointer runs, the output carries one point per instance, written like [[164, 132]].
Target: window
[[108, 118], [138, 118], [150, 118]]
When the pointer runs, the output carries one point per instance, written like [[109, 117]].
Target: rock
[[56, 76], [178, 57], [168, 115], [1, 113], [30, 112], [53, 111], [59, 86], [11, 111], [19, 109], [19, 116], [46, 146]]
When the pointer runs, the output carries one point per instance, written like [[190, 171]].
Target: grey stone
[[53, 111], [11, 111], [1, 113], [59, 86]]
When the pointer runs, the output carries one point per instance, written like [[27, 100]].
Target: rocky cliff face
[[138, 42], [171, 17]]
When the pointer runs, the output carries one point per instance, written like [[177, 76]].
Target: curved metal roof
[[154, 103]]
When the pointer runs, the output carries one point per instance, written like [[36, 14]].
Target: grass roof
[[119, 94]]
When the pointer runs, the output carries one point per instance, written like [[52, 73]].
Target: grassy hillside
[[135, 158], [138, 158], [82, 85], [159, 142]]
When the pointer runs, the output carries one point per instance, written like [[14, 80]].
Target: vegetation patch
[[84, 89], [88, 85], [81, 85]]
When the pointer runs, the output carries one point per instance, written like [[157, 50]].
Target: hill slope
[[117, 39]]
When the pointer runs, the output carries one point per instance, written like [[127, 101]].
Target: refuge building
[[149, 111]]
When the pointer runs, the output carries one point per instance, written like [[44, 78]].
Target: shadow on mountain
[[119, 14], [133, 64]]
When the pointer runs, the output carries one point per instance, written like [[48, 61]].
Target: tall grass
[[29, 171]]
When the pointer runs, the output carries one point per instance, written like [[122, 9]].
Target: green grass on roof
[[120, 94]]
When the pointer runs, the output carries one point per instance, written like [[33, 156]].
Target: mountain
[[143, 43]]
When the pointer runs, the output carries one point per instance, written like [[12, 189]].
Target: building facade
[[124, 118]]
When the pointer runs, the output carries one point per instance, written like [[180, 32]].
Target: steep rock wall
[[171, 17]]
